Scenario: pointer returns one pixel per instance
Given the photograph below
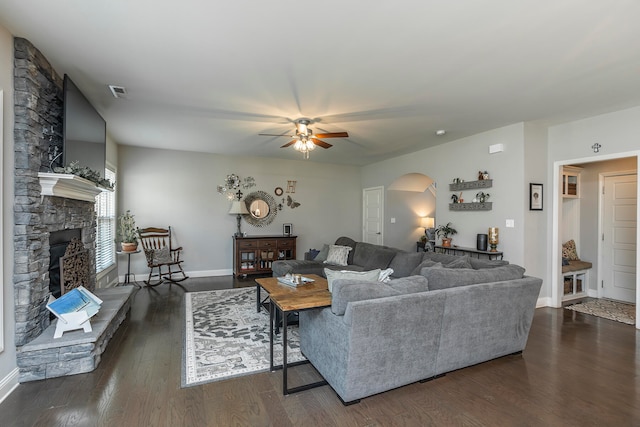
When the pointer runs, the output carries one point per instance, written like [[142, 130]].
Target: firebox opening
[[58, 242]]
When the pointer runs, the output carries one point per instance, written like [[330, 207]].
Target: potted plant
[[127, 234], [445, 231]]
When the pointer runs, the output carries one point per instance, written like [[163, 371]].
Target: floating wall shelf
[[486, 206], [460, 186]]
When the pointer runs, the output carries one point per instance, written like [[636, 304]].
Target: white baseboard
[[200, 273], [210, 273], [543, 302], [9, 383]]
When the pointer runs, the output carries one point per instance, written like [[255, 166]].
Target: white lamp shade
[[427, 222], [238, 207]]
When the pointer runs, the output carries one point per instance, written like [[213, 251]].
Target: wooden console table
[[455, 250], [256, 254]]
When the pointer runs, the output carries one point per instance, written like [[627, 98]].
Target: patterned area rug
[[225, 337], [612, 310]]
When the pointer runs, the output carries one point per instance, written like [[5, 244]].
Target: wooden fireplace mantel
[[68, 186]]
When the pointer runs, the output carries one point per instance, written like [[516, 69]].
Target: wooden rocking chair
[[158, 249]]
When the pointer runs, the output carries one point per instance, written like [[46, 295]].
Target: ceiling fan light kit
[[305, 141]]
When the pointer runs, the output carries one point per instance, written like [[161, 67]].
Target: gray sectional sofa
[[440, 313]]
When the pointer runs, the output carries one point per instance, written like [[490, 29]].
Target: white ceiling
[[208, 76]]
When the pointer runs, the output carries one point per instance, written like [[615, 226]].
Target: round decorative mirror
[[262, 208]]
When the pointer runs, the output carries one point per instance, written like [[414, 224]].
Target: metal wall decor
[[262, 209], [232, 183]]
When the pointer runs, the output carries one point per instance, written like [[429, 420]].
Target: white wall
[[535, 227], [463, 159], [8, 367], [177, 188], [407, 207]]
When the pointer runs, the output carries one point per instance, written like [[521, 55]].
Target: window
[[106, 226]]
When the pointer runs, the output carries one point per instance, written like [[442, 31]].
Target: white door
[[619, 238], [373, 215]]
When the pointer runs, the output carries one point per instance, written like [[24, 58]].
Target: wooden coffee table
[[272, 287], [286, 299]]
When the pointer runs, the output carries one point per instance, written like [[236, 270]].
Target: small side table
[[127, 277]]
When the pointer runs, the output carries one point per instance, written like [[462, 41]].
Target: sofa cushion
[[423, 264], [410, 284], [338, 255], [442, 278], [403, 263], [487, 263], [348, 290], [372, 256], [346, 241], [332, 275], [298, 266]]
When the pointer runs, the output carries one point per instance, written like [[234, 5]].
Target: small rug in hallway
[[612, 310], [226, 337]]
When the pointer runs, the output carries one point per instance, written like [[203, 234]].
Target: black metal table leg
[[271, 309], [285, 389]]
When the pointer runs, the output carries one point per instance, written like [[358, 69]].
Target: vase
[[446, 242]]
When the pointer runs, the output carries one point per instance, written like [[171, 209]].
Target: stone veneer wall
[[38, 100]]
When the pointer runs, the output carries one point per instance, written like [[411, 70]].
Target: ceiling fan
[[305, 140]]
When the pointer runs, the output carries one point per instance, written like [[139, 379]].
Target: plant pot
[[446, 242], [129, 247]]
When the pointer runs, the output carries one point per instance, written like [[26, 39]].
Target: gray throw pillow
[[423, 264], [322, 255], [459, 262], [404, 263]]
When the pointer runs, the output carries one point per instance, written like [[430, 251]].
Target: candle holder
[[494, 238]]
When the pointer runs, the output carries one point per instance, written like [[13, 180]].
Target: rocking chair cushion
[[159, 256]]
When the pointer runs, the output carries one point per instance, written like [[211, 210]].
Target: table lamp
[[427, 222], [238, 208]]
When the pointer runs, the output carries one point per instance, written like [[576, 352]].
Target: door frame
[[364, 212], [556, 218], [601, 178]]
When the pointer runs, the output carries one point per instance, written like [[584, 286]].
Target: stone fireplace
[[38, 128], [47, 203]]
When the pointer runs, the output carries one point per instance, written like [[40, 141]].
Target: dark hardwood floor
[[577, 370]]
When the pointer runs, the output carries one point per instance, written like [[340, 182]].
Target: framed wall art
[[535, 197], [287, 229]]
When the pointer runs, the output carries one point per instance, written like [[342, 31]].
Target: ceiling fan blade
[[288, 143], [321, 143], [272, 134], [333, 135]]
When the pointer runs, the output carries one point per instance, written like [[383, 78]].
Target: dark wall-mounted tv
[[84, 130]]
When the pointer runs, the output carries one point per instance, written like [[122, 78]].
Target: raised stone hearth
[[76, 352]]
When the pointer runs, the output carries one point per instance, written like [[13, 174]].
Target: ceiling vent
[[118, 91]]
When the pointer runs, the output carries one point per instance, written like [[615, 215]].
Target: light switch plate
[[510, 223], [393, 220]]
